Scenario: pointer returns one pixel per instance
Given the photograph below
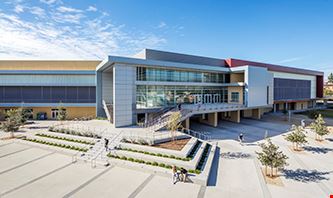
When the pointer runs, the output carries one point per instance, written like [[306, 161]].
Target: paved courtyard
[[31, 171]]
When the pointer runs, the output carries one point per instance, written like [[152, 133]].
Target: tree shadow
[[235, 155], [317, 150], [305, 176]]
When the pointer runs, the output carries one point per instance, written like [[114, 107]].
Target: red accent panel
[[320, 86], [237, 62]]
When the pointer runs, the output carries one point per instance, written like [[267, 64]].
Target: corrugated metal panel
[[47, 80]]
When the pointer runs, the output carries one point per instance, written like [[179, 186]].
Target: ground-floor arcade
[[212, 119], [293, 105]]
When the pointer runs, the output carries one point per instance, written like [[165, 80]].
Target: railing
[[196, 134], [113, 143], [187, 111], [107, 110]]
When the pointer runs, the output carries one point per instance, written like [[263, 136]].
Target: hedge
[[66, 139], [57, 145], [162, 165], [155, 154]]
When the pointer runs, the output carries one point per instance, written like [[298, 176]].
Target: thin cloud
[[162, 25], [18, 9], [68, 34], [68, 9], [37, 11], [92, 9], [49, 2], [289, 60]]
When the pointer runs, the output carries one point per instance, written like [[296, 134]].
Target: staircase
[[108, 108], [98, 153], [187, 111]]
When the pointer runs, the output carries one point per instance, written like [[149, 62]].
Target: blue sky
[[295, 33]]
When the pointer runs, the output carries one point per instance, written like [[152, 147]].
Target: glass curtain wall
[[150, 96], [165, 75]]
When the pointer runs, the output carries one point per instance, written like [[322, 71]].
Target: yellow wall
[[235, 89], [48, 65], [72, 112], [237, 77]]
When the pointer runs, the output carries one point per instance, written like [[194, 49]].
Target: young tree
[[174, 124], [62, 114], [13, 121], [330, 78], [271, 157], [319, 127], [297, 137]]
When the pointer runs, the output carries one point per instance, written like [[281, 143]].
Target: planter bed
[[65, 146], [74, 132], [162, 165], [65, 139], [155, 154], [203, 157], [184, 153]]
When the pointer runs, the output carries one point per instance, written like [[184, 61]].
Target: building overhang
[[111, 60], [231, 62]]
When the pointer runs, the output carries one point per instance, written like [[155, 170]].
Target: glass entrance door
[[54, 113]]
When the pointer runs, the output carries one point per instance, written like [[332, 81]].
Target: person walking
[[241, 138], [175, 175], [183, 173], [106, 144]]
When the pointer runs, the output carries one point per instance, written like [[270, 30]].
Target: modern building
[[138, 89], [42, 86], [142, 88]]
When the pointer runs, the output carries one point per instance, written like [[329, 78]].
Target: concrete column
[[186, 123], [212, 119], [256, 114], [274, 107], [235, 116]]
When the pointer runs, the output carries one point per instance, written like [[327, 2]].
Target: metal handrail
[[93, 160], [106, 110], [197, 134]]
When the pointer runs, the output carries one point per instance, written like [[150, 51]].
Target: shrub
[[155, 164], [168, 166], [130, 159], [161, 165], [123, 158], [313, 114], [148, 163], [197, 171], [172, 156], [159, 155]]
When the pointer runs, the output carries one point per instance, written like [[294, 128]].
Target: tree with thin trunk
[[13, 121], [319, 127], [62, 114], [297, 137], [330, 78], [271, 157], [174, 124]]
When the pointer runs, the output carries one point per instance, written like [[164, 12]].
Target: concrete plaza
[[33, 171]]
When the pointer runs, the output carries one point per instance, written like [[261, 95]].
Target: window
[[234, 96], [167, 75]]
